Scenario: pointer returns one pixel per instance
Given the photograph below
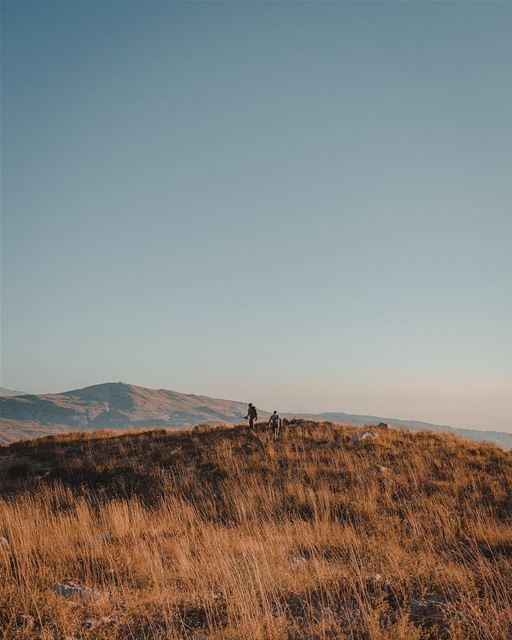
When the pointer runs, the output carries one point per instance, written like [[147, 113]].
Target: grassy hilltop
[[217, 534]]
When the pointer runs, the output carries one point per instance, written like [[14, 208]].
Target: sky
[[305, 205]]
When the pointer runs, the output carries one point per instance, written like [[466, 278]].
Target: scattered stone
[[70, 590], [27, 620], [364, 435], [429, 607], [379, 468], [4, 543], [174, 452], [377, 582], [104, 536], [350, 613], [89, 623], [378, 578]]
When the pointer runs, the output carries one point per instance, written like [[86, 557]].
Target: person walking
[[252, 415], [275, 423]]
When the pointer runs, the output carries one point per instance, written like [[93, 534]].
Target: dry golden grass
[[222, 535]]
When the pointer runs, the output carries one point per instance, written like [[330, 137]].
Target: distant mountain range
[[110, 406], [497, 437], [118, 405], [10, 392]]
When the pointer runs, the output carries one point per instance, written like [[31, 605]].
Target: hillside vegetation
[[220, 534]]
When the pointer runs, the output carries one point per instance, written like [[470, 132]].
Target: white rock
[[380, 468], [378, 578], [89, 623], [4, 542], [104, 536], [70, 589], [364, 435]]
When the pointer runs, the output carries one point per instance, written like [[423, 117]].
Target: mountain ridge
[[121, 405], [10, 392]]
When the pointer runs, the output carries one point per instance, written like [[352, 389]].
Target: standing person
[[252, 415], [275, 423]]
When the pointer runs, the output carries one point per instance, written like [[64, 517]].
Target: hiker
[[275, 422], [252, 415]]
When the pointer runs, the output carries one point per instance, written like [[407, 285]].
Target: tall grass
[[222, 535]]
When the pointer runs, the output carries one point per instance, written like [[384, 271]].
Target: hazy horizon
[[282, 409], [306, 205]]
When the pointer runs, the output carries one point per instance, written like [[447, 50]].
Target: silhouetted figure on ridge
[[252, 415], [275, 422]]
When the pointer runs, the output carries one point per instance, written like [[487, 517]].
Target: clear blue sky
[[306, 205]]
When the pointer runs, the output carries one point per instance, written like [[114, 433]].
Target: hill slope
[[110, 405], [223, 535]]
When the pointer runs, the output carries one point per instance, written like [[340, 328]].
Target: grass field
[[220, 534]]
